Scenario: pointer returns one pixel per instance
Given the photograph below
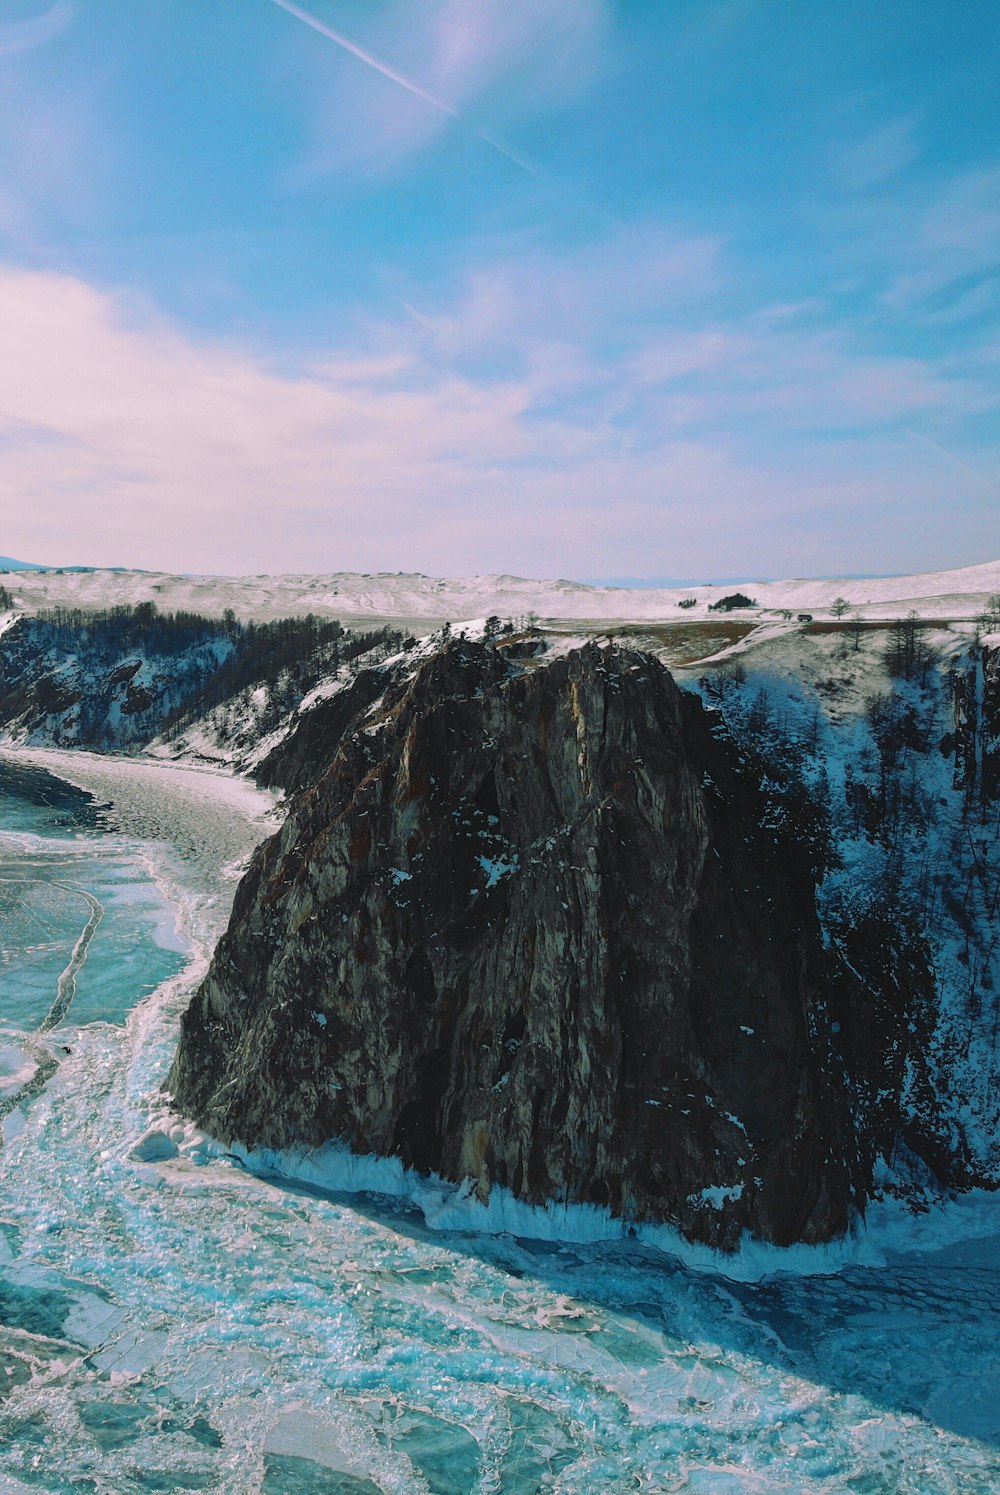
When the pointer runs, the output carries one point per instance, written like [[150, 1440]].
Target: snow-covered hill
[[420, 603], [201, 687]]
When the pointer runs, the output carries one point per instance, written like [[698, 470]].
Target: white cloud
[[124, 440], [535, 301], [966, 217], [871, 159], [952, 237]]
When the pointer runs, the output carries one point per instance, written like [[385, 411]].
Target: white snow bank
[[203, 812], [890, 1228]]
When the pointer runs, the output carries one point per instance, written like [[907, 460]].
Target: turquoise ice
[[84, 930], [169, 1326]]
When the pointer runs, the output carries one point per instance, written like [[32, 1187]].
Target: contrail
[[508, 150], [944, 452], [369, 59], [411, 86]]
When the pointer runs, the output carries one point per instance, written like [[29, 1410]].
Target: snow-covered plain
[[424, 602]]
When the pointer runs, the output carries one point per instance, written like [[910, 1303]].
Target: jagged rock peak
[[536, 927]]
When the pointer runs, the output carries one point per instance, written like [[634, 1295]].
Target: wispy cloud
[[380, 66], [36, 31], [965, 467], [946, 239], [633, 325], [128, 439], [883, 152], [56, 157], [518, 157], [604, 289]]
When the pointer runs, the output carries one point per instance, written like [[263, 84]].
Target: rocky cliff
[[975, 739], [544, 928]]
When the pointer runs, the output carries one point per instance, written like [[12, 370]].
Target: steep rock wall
[[975, 740], [538, 929]]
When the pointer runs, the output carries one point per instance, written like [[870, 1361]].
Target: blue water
[[171, 1326]]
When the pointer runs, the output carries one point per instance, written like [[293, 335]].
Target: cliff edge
[[542, 928]]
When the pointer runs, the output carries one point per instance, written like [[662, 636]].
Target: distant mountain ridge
[[7, 563], [422, 603], [643, 583]]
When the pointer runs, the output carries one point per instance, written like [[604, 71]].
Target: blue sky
[[556, 287]]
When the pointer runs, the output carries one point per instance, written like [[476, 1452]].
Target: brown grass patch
[[682, 643], [872, 625]]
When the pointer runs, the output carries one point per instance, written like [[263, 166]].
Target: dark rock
[[137, 699], [305, 753], [975, 740], [522, 646], [543, 928]]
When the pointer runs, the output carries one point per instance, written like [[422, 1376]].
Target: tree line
[[289, 655], [111, 631], [71, 660]]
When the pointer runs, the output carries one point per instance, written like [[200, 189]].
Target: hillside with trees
[[115, 679]]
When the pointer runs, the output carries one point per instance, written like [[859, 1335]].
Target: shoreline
[[199, 816], [191, 832], [892, 1227], [204, 822], [82, 768], [188, 833]]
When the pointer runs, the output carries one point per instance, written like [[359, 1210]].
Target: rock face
[[304, 754], [537, 927], [975, 742]]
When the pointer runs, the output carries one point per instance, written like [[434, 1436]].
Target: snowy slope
[[422, 602], [916, 836]]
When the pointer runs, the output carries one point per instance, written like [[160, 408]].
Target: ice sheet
[[174, 1324]]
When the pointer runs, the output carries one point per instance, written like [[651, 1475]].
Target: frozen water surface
[[83, 924], [172, 1325]]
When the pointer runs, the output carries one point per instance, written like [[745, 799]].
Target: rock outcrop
[[542, 928], [975, 740]]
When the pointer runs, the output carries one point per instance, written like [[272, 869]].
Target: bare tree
[[908, 655], [854, 630], [989, 618]]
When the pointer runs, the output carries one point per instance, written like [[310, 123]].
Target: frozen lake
[[178, 1325], [64, 883]]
